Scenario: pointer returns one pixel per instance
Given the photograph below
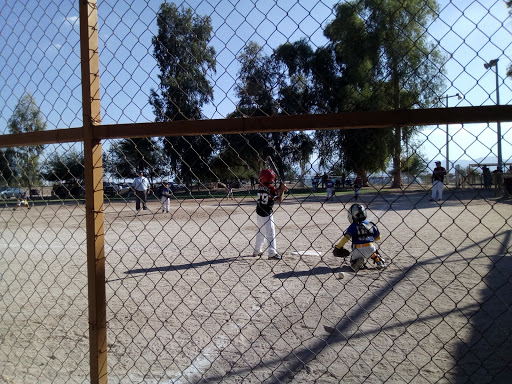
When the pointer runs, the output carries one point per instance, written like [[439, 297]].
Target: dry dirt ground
[[187, 304]]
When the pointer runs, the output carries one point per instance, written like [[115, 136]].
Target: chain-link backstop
[[346, 101]]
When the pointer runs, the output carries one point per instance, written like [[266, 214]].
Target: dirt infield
[[187, 304]]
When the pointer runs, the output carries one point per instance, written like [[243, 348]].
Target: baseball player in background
[[229, 191], [23, 202], [267, 195], [363, 234], [329, 188], [358, 183], [437, 182], [165, 196]]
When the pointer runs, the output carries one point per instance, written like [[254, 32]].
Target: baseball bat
[[273, 166]]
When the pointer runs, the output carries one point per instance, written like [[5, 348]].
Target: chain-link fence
[[138, 245]]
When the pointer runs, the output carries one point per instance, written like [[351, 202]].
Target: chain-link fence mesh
[[190, 297]]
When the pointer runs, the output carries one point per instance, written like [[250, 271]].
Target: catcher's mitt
[[340, 252]]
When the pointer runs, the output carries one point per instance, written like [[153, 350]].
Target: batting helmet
[[356, 213], [267, 176]]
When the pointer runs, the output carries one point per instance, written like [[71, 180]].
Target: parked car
[[177, 187], [68, 190], [124, 190], [110, 189], [11, 192]]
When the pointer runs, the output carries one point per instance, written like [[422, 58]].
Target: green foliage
[[366, 150], [184, 59], [378, 58], [257, 82], [415, 164], [6, 159], [262, 92], [66, 167], [24, 162], [125, 157]]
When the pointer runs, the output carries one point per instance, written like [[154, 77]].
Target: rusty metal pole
[[93, 191]]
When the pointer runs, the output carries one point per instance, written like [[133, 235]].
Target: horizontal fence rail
[[177, 181]]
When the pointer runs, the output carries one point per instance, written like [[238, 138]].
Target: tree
[[296, 92], [337, 78], [6, 160], [407, 67], [260, 89], [378, 58], [26, 118], [415, 164], [66, 167], [184, 59], [127, 156]]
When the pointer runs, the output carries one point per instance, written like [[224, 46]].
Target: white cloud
[[71, 20]]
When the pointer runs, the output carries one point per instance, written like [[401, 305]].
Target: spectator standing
[[486, 172], [324, 180]]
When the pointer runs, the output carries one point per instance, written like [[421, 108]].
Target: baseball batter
[[363, 234], [267, 195]]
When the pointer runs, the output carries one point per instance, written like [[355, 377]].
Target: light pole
[[459, 96], [490, 64]]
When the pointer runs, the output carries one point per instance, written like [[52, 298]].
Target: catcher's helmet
[[267, 176], [356, 213]]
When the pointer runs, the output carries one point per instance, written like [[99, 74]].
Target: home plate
[[307, 253]]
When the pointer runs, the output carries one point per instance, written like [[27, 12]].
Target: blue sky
[[40, 54]]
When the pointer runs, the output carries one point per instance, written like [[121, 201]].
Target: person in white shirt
[[141, 187]]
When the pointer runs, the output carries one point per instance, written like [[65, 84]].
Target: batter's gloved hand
[[282, 188], [340, 252]]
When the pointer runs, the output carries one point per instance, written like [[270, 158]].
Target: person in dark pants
[[486, 172], [324, 180], [141, 187]]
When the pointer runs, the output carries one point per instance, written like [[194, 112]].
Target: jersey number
[[263, 198]]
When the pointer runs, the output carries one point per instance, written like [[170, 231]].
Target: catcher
[[267, 195], [165, 194], [363, 235]]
